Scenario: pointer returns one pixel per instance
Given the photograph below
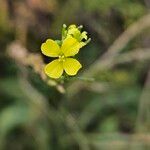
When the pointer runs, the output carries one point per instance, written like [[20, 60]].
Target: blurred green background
[[110, 113]]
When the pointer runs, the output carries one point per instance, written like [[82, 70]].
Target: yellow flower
[[74, 31], [63, 53]]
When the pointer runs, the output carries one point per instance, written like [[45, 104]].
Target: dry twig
[[23, 57], [106, 61]]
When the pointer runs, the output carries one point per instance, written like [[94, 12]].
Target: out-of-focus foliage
[[110, 113]]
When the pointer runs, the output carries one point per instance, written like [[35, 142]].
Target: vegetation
[[110, 112]]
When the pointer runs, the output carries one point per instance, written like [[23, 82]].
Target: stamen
[[61, 58]]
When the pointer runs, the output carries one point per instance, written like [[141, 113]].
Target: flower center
[[61, 58]]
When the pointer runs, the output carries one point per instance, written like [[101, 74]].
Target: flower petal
[[84, 35], [71, 66], [71, 46], [50, 48], [54, 69]]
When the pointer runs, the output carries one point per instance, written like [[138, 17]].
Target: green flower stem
[[79, 78], [85, 79]]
